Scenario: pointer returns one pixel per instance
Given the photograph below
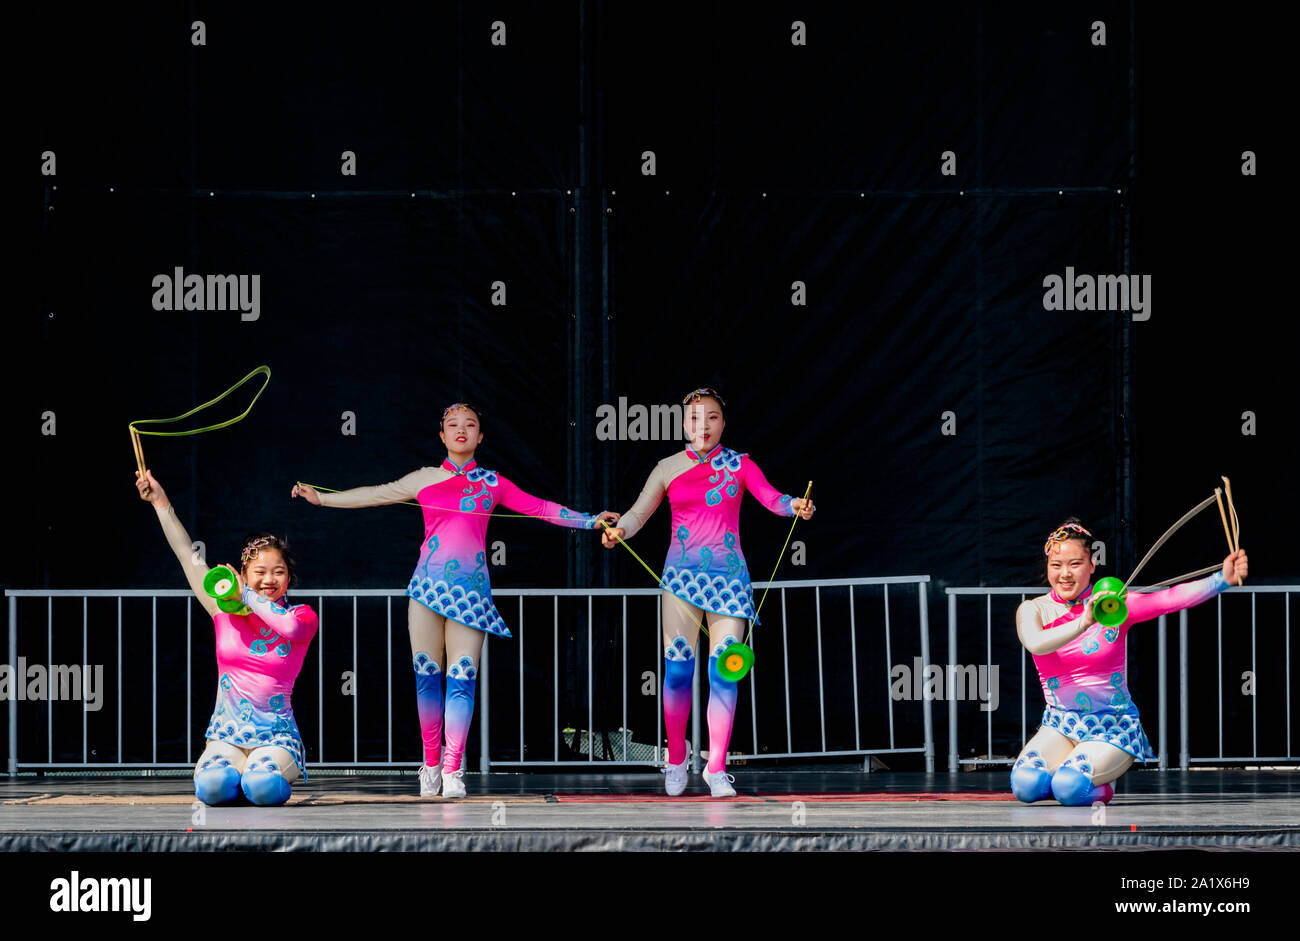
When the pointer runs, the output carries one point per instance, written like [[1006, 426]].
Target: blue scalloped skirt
[[1123, 730], [239, 720]]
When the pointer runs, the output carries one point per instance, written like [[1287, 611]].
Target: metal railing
[[1185, 756], [526, 640]]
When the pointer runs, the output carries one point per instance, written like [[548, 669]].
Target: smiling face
[[1069, 568], [702, 420], [460, 433], [267, 574]]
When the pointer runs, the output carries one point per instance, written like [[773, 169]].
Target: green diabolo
[[220, 583], [1110, 611], [735, 662]]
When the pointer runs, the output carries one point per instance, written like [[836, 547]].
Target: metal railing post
[[702, 643], [1162, 648], [485, 753], [927, 707], [952, 700], [12, 764], [1184, 754]]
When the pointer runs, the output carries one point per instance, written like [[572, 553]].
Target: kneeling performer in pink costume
[[253, 741], [1090, 732]]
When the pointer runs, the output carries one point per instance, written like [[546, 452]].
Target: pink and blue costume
[[259, 656], [705, 567], [451, 576], [451, 580], [1085, 686]]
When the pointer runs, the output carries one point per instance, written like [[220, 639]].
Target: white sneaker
[[677, 775], [453, 784], [719, 783], [430, 780]]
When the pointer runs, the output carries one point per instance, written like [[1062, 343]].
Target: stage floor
[[816, 809]]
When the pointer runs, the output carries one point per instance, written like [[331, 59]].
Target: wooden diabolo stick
[[139, 458], [1232, 511], [1218, 495]]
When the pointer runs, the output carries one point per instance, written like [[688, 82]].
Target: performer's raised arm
[[177, 538]]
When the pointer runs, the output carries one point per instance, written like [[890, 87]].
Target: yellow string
[[698, 621], [765, 590], [264, 371], [526, 516], [775, 567]]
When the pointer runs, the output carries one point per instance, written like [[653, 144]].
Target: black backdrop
[[775, 163]]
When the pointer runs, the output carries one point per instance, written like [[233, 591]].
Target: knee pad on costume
[[1073, 788], [1031, 784], [716, 680], [216, 782], [428, 676], [263, 784], [1030, 779], [679, 665], [462, 679]]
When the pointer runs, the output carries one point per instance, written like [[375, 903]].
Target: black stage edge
[[636, 840]]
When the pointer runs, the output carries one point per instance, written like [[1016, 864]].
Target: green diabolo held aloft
[[1110, 611], [221, 584]]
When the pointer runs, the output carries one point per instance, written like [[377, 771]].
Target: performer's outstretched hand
[[307, 493], [609, 516], [611, 537], [1090, 607], [156, 495], [803, 507], [1234, 567], [239, 577]]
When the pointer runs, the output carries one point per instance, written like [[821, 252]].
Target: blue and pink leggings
[[443, 715], [681, 630]]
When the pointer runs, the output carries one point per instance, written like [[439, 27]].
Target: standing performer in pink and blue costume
[[1090, 732], [450, 607], [705, 572], [253, 741]]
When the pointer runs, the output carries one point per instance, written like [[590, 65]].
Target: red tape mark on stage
[[864, 796], [646, 798], [898, 796]]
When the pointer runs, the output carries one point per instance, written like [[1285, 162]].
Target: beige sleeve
[[1039, 640], [403, 489], [179, 540], [652, 495]]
